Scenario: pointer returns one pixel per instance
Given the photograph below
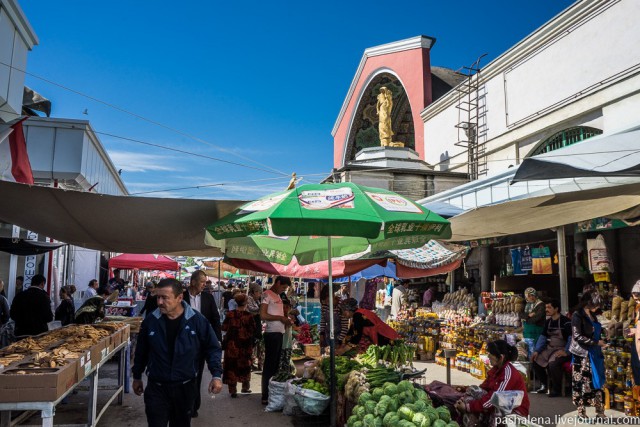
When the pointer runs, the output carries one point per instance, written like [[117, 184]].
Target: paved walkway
[[554, 412], [246, 410]]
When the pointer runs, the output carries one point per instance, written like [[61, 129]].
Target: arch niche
[[364, 127]]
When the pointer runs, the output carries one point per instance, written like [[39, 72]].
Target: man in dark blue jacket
[[171, 341]]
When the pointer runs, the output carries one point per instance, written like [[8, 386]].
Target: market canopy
[[24, 247], [114, 223], [372, 272], [318, 270], [543, 212], [236, 275], [143, 262], [612, 155]]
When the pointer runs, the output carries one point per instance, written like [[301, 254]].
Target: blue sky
[[255, 83]]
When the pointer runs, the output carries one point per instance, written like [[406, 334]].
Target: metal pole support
[[449, 353], [448, 371]]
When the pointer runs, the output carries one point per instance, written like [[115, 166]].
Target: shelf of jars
[[469, 338], [419, 326], [621, 393]]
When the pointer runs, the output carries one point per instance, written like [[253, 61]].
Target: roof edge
[[86, 126], [550, 30], [21, 22]]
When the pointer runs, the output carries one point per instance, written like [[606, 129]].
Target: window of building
[[565, 138]]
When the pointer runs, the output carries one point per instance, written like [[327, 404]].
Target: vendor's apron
[[549, 354]]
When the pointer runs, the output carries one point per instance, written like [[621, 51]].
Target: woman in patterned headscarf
[[533, 318]]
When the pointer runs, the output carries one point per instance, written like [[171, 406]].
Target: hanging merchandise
[[541, 260], [526, 262], [599, 261], [369, 299], [516, 261]]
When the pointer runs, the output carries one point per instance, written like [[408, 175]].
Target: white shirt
[[274, 308], [195, 302], [90, 293], [397, 299]]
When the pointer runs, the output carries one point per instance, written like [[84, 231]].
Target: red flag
[[20, 166]]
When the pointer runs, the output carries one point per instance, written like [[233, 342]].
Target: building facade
[[575, 77], [63, 153]]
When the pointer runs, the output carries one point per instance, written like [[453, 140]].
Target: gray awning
[[543, 212], [612, 155], [26, 247], [129, 224]]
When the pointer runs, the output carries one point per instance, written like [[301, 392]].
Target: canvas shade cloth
[[613, 155], [114, 223], [543, 212], [318, 270], [143, 262], [434, 254], [372, 272], [405, 272], [26, 247]]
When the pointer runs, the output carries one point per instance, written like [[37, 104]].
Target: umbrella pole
[[306, 307], [332, 346], [219, 290]]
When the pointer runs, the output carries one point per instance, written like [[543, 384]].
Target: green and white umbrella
[[290, 223], [316, 222]]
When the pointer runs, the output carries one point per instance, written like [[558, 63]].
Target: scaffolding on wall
[[472, 124]]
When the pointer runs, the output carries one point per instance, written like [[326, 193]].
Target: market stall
[[127, 306], [37, 373]]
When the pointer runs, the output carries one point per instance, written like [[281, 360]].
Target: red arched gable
[[411, 67]]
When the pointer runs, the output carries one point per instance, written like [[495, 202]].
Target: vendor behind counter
[[366, 327], [534, 317]]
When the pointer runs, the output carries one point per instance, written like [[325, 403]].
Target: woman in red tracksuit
[[503, 376]]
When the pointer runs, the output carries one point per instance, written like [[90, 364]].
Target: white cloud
[[131, 161]]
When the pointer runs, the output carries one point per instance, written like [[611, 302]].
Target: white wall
[[585, 61], [440, 134], [85, 267], [67, 149], [16, 39]]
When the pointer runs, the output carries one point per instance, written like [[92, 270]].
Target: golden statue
[[384, 107]]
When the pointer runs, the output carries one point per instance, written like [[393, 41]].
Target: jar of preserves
[[629, 404]]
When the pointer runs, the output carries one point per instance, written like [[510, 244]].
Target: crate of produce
[[312, 350]]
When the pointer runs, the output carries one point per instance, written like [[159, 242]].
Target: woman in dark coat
[[66, 311], [588, 362], [237, 344]]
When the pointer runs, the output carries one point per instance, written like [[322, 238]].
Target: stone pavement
[[246, 410], [554, 412]]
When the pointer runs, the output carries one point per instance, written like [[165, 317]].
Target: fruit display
[[422, 330], [401, 405], [461, 302]]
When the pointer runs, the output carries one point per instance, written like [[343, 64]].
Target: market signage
[[327, 199], [598, 224], [262, 204], [30, 263], [394, 203]]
